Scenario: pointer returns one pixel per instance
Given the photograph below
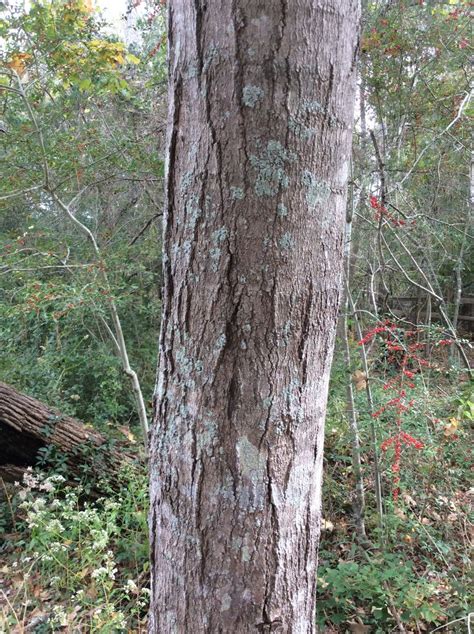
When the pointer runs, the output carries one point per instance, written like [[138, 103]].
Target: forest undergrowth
[[75, 563]]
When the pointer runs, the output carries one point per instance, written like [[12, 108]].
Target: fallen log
[[31, 431]]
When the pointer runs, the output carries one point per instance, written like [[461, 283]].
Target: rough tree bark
[[259, 134]]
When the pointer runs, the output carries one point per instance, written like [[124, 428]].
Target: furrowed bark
[[259, 133]]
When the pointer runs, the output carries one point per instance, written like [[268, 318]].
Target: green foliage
[[418, 566], [415, 85], [55, 344], [79, 105], [371, 590]]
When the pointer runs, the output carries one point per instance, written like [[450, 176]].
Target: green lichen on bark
[[220, 235], [251, 95], [220, 343], [300, 129], [193, 211], [317, 192], [270, 168], [252, 465], [286, 242], [312, 107], [237, 193]]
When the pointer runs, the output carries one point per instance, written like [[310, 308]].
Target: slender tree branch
[[463, 104]]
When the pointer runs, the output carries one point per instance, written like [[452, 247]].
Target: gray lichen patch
[[245, 554], [220, 343], [270, 168], [226, 602], [312, 107], [215, 254], [237, 193], [193, 211], [286, 331], [187, 247], [187, 367], [182, 249], [207, 438], [292, 397], [300, 129], [251, 95], [185, 182], [252, 466], [317, 192], [252, 462], [282, 210], [220, 235], [211, 55], [286, 242], [184, 363], [191, 72]]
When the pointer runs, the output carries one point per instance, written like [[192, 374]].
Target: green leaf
[[85, 85]]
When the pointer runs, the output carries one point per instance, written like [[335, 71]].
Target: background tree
[[259, 133]]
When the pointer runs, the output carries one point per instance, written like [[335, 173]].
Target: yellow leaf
[[18, 62], [128, 434], [327, 525], [360, 380], [452, 427], [132, 59]]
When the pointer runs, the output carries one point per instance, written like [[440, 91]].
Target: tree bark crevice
[[259, 132]]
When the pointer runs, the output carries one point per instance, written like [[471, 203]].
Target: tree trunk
[[28, 426], [259, 134]]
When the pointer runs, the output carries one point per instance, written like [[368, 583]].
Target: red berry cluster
[[401, 348], [382, 212]]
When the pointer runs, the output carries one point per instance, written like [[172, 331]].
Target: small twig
[[143, 229], [463, 618]]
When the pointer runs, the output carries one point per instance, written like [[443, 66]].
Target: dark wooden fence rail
[[414, 308]]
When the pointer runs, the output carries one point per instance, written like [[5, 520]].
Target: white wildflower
[[59, 616], [131, 586], [99, 572], [54, 526]]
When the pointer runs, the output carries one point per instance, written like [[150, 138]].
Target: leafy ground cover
[[415, 571], [71, 563]]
